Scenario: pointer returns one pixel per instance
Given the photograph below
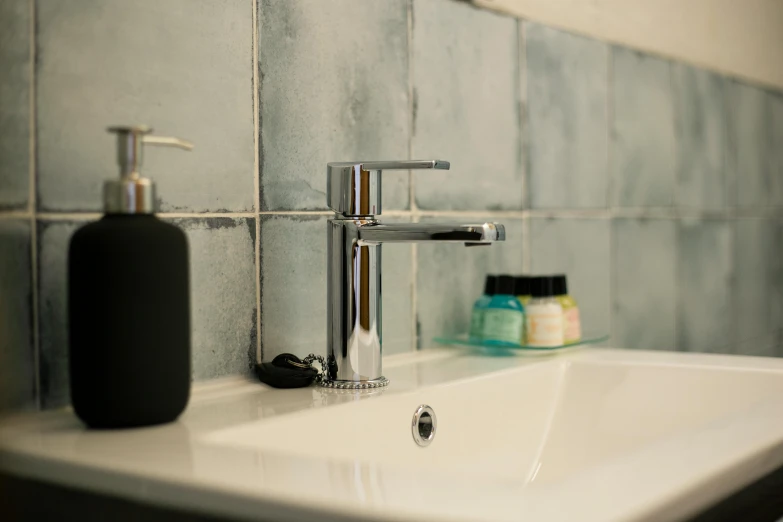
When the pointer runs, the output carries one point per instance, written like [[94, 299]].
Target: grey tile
[[776, 283], [578, 248], [334, 87], [451, 277], [747, 133], [567, 128], [397, 285], [15, 108], [775, 149], [222, 295], [466, 84], [293, 288], [293, 285], [183, 67], [766, 345], [755, 256], [642, 146], [53, 240], [705, 273], [645, 284], [701, 137], [17, 365]]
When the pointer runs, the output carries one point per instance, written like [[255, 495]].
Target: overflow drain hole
[[424, 425]]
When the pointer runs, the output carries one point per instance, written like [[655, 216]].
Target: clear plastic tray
[[462, 340]]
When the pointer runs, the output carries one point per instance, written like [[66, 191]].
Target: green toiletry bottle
[[477, 316], [504, 318]]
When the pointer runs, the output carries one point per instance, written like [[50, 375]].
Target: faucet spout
[[375, 232]]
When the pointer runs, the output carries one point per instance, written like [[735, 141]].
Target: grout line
[[396, 213], [643, 213], [414, 293], [522, 141], [411, 115], [32, 205], [256, 177], [596, 213], [612, 277], [527, 242], [209, 215], [733, 288], [68, 216], [32, 188], [296, 212], [729, 187], [610, 185], [678, 307], [469, 213], [676, 176], [565, 213], [81, 216], [610, 174], [412, 186], [414, 296], [17, 214]]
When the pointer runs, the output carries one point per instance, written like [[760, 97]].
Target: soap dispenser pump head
[[132, 193]]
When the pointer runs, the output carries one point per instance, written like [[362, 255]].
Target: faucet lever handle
[[353, 188], [403, 165]]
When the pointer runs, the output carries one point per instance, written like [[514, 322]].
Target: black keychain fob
[[286, 371]]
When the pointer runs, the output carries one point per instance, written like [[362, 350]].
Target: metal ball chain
[[381, 382], [322, 361], [324, 381]]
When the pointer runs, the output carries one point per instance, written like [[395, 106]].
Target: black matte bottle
[[129, 304]]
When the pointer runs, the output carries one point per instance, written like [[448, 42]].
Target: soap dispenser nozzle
[[132, 193]]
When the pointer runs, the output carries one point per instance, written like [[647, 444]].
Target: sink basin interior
[[537, 423]]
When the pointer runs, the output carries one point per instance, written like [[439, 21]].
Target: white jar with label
[[544, 314]]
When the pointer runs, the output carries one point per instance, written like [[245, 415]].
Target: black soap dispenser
[[129, 302]]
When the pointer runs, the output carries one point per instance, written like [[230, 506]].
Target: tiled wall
[[656, 186]]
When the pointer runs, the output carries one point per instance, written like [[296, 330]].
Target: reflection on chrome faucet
[[354, 240]]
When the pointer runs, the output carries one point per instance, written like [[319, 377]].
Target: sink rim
[[44, 446], [561, 370]]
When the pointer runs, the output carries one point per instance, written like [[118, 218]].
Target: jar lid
[[504, 285], [489, 285], [542, 286], [560, 285], [522, 285]]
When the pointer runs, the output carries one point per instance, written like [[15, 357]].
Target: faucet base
[[356, 385]]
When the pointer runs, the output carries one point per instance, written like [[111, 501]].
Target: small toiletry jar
[[544, 314], [480, 306], [504, 318]]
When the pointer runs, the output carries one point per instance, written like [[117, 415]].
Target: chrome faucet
[[354, 239]]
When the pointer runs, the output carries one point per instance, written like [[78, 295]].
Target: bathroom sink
[[588, 434], [539, 423], [620, 435]]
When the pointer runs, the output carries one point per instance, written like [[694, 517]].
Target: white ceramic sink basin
[[538, 423], [588, 435], [597, 434]]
